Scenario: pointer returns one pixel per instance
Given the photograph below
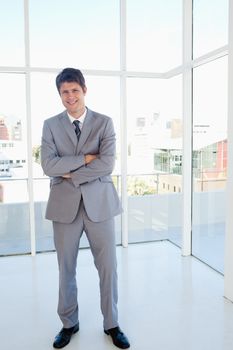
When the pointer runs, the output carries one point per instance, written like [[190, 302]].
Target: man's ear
[[85, 90]]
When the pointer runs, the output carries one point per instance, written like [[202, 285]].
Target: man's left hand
[[66, 176]]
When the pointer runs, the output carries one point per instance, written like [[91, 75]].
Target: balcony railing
[[154, 211]]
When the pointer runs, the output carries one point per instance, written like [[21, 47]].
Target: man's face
[[73, 98]]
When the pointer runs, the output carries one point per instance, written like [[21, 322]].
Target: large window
[[210, 161], [139, 85], [210, 79], [154, 158], [39, 44], [14, 205]]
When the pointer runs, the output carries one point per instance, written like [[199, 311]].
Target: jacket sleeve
[[104, 164], [53, 164]]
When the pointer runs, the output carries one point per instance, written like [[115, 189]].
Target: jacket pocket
[[105, 178], [56, 180]]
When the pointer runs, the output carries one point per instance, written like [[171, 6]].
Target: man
[[78, 153]]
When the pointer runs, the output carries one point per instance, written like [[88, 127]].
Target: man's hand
[[90, 157], [66, 176]]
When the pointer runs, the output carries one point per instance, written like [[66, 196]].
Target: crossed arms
[[80, 168]]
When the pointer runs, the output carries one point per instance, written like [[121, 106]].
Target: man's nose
[[71, 94]]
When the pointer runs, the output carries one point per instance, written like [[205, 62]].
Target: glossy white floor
[[166, 302]]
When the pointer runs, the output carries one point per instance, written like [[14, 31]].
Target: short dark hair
[[70, 75]]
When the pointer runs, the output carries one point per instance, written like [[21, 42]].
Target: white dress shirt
[[80, 119]]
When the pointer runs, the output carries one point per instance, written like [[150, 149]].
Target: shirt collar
[[80, 119]]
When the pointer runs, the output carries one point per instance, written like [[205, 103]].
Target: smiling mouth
[[72, 103]]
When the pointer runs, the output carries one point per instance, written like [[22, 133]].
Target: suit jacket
[[61, 153]]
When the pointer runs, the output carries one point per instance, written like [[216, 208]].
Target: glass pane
[[43, 85], [82, 33], [154, 159], [44, 230], [14, 217], [14, 208], [13, 132], [154, 35], [210, 25], [12, 33], [209, 162]]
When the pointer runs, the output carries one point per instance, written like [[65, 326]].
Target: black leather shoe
[[118, 337], [64, 336]]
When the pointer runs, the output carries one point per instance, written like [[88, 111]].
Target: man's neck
[[78, 114]]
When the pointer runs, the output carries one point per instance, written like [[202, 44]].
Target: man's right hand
[[90, 157]]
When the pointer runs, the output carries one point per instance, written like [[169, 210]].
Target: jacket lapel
[[86, 129], [69, 128]]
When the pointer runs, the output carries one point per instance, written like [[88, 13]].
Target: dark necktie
[[77, 128]]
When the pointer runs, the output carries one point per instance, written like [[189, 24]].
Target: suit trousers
[[101, 237]]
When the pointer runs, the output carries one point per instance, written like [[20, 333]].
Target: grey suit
[[86, 202]]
